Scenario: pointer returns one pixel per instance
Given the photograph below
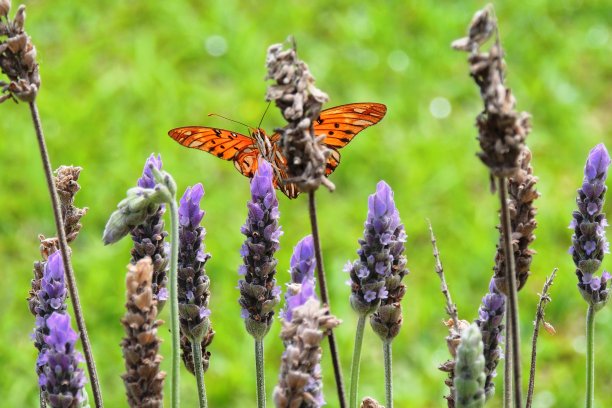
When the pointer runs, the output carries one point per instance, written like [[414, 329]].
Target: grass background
[[117, 75]]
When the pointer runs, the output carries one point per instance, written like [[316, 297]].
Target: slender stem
[[196, 347], [508, 364], [513, 314], [333, 349], [356, 361], [174, 318], [544, 299], [451, 309], [260, 372], [388, 373], [590, 361], [43, 403], [63, 247]]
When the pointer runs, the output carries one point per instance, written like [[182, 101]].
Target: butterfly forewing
[[222, 143]]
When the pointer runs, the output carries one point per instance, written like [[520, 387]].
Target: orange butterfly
[[339, 124]]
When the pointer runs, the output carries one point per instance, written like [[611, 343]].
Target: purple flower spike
[[51, 297], [589, 242], [189, 208], [376, 276], [490, 318], [258, 295], [193, 282], [147, 180], [303, 260], [61, 380]]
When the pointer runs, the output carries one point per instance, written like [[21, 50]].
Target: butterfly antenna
[[231, 120], [264, 115]]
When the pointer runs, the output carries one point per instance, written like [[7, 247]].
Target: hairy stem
[[388, 373], [544, 299], [451, 309], [63, 247], [512, 317], [260, 373], [174, 317], [356, 361], [196, 347], [590, 361], [333, 349]]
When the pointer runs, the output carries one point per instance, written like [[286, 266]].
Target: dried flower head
[[383, 237], [149, 236], [295, 94], [469, 370], [489, 321], [502, 130], [369, 402], [193, 283], [61, 380], [521, 195], [187, 351], [452, 342], [258, 291], [589, 223], [143, 380], [17, 57], [305, 325]]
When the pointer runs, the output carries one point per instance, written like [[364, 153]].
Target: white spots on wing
[[216, 45], [359, 110], [440, 107], [398, 60], [362, 122], [195, 143], [187, 133]]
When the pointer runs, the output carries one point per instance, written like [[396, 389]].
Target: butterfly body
[[339, 125]]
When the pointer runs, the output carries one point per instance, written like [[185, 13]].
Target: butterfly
[[339, 125]]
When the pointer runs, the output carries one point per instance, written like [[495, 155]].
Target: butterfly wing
[[342, 123], [224, 144]]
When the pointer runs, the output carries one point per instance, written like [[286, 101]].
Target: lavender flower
[[305, 325], [50, 298], [143, 380], [258, 291], [302, 285], [469, 370], [589, 242], [382, 238], [193, 283], [61, 380], [149, 236], [489, 321]]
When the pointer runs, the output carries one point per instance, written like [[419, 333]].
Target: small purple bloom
[[147, 180], [303, 260], [597, 163], [189, 208], [370, 296]]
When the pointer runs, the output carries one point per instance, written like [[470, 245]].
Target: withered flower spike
[[299, 101], [17, 57], [521, 195], [502, 130], [143, 380]]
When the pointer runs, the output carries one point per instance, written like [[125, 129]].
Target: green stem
[[64, 250], [174, 317], [196, 347], [356, 361], [388, 373], [259, 369], [590, 372]]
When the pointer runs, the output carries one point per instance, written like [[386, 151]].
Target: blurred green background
[[117, 75]]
